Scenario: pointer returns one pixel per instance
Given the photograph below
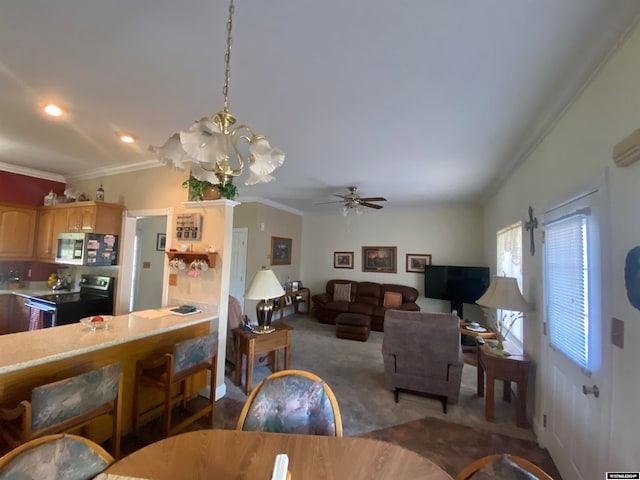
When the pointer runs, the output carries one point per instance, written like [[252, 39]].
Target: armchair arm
[[321, 298]]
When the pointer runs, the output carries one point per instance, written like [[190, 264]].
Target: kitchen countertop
[[35, 289], [29, 349]]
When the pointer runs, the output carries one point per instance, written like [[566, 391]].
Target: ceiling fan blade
[[341, 196], [324, 203], [373, 199], [370, 205]]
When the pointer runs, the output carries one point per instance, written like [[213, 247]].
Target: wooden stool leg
[[136, 405], [167, 409]]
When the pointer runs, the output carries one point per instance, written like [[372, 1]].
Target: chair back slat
[[191, 352], [59, 401], [65, 457], [291, 404]]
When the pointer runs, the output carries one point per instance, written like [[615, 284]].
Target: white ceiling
[[419, 101]]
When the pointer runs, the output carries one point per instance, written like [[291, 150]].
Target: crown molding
[[31, 172], [111, 170], [271, 203]]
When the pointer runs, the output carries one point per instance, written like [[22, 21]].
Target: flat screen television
[[457, 284]]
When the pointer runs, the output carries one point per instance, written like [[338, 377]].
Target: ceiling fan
[[353, 200]]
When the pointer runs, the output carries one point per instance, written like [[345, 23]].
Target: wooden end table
[[487, 335], [514, 368], [251, 344], [295, 303]]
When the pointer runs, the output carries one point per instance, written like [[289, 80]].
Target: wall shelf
[[189, 257]]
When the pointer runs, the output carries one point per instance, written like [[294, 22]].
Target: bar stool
[[65, 405], [173, 369]]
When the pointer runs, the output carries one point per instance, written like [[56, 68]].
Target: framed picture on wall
[[280, 251], [342, 259], [161, 241], [379, 259], [417, 261]]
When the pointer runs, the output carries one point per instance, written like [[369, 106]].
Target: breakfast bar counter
[[30, 359]]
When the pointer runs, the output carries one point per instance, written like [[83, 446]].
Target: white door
[[577, 399], [238, 264]]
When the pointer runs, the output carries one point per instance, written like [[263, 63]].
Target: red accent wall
[[26, 190]]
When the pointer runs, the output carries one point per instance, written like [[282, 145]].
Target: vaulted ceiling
[[418, 101]]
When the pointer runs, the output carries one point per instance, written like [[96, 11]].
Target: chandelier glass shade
[[218, 145]]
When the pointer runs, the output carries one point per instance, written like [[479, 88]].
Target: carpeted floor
[[355, 373]]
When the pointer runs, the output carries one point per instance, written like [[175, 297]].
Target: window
[[509, 264], [567, 283]]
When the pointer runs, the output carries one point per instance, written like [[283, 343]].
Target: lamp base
[[260, 330], [264, 311]]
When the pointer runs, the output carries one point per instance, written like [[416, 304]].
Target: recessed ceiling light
[[53, 110], [127, 137]]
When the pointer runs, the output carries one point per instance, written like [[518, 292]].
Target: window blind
[[567, 277]]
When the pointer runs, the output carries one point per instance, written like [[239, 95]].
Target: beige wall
[[452, 235], [264, 222], [572, 157]]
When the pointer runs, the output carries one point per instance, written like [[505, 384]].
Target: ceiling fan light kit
[[215, 143], [352, 202]]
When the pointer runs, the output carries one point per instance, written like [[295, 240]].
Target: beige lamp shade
[[504, 293], [265, 285]]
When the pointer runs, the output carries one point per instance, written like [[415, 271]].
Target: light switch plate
[[617, 332]]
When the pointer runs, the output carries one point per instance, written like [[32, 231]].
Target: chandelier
[[215, 143]]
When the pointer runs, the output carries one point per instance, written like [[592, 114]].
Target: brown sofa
[[367, 298]]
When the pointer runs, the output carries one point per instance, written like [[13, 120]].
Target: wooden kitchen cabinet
[[51, 222], [95, 217], [17, 231], [5, 313]]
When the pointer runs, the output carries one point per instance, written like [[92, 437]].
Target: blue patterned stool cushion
[[194, 351], [64, 458], [291, 404], [59, 401]]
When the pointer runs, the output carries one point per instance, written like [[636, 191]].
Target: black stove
[[61, 308]]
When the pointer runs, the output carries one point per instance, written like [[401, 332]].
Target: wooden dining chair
[[499, 465], [60, 456], [169, 373], [292, 401], [66, 405]]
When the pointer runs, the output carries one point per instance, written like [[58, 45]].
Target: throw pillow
[[392, 299], [342, 292]]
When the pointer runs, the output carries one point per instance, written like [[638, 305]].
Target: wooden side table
[[514, 368], [294, 303], [487, 335], [251, 344]]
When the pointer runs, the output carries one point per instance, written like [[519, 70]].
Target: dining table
[[236, 454]]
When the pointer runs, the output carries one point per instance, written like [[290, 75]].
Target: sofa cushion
[[392, 299], [342, 292]]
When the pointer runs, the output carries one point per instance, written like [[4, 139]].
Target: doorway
[[238, 273], [576, 373], [144, 263]]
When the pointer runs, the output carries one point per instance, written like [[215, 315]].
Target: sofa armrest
[[321, 298], [409, 307]]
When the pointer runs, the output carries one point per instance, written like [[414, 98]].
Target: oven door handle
[[40, 306]]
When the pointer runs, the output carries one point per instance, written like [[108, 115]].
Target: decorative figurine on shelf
[[100, 194]]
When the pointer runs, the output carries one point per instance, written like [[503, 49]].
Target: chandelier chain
[[227, 58]]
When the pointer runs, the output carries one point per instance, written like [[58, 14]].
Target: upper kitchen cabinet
[[51, 222], [94, 217], [17, 232]]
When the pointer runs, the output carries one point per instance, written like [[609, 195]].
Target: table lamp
[[264, 287], [504, 294]]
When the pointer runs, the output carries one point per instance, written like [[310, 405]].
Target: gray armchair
[[422, 353]]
